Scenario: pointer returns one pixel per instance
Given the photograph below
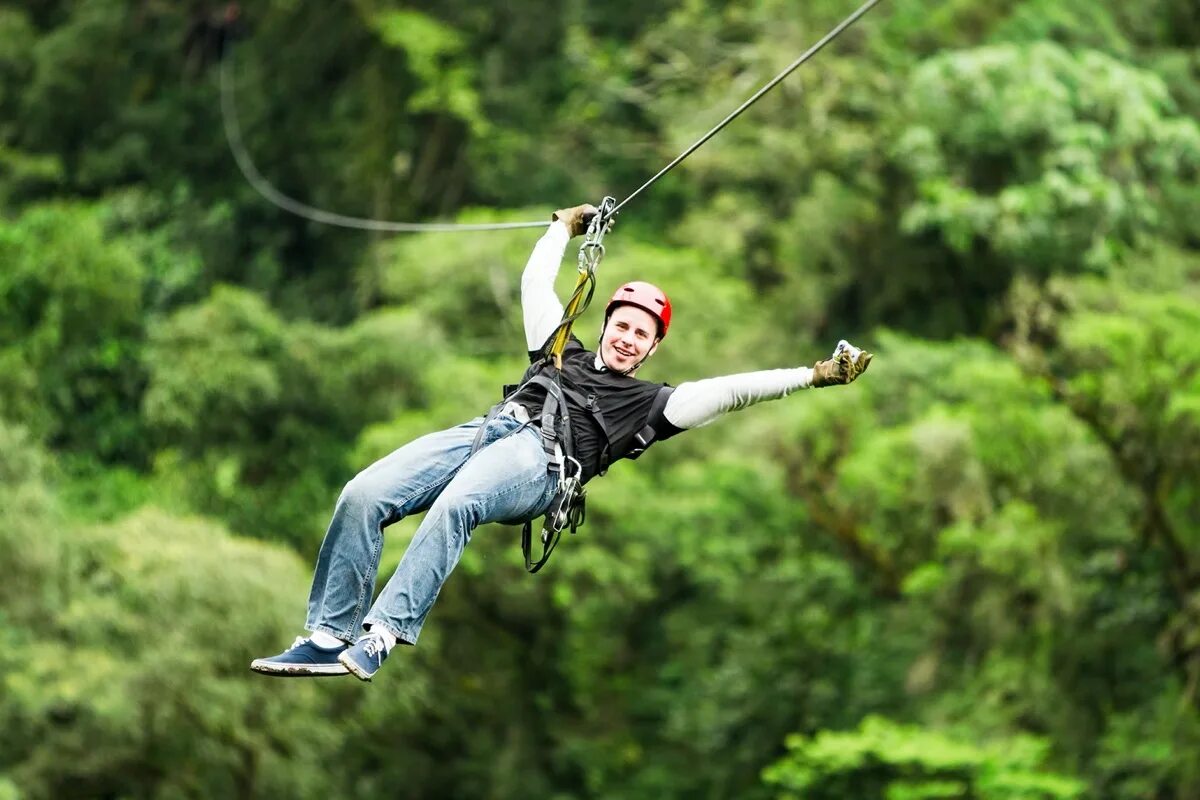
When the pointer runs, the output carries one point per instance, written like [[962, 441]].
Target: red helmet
[[645, 296]]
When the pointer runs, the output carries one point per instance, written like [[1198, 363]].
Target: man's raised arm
[[540, 306]]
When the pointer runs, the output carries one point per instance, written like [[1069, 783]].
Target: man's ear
[[653, 347]]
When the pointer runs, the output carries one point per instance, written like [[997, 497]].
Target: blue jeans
[[508, 480]]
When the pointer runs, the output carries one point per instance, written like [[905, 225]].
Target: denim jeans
[[506, 481]]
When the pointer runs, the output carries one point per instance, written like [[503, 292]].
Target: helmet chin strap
[[629, 371]]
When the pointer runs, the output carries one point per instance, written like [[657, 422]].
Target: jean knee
[[352, 493], [460, 511], [361, 494]]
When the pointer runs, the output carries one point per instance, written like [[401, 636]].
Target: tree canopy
[[973, 574]]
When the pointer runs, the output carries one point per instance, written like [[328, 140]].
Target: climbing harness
[[567, 509], [568, 506]]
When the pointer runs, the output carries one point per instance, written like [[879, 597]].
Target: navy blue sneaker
[[302, 659], [366, 656]]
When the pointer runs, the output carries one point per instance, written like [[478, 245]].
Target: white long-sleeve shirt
[[693, 403]]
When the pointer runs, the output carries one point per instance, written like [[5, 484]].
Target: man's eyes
[[621, 326]]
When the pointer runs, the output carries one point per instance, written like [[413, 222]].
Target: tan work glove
[[577, 219], [847, 363]]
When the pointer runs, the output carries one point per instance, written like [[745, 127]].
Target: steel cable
[[233, 135], [826, 39], [245, 163]]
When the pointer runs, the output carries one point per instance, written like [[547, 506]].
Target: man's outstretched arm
[[697, 403]]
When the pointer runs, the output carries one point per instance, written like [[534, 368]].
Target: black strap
[[493, 412], [556, 419], [527, 548], [591, 405], [568, 502], [646, 436], [508, 391]]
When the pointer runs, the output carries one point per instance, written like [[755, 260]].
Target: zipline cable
[[233, 135], [826, 39]]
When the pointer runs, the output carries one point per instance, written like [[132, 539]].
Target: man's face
[[630, 336]]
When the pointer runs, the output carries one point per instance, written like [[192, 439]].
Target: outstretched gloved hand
[[847, 363], [576, 219]]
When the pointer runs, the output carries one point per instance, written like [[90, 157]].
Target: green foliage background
[[974, 574]]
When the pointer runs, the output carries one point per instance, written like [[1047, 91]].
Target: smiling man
[[502, 468], [632, 333]]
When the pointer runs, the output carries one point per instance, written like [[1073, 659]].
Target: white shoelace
[[375, 646]]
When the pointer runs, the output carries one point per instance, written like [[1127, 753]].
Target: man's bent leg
[[508, 480], [405, 482]]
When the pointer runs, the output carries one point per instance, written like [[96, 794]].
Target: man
[[499, 469]]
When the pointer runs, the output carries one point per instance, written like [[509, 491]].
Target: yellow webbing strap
[[575, 306], [590, 253]]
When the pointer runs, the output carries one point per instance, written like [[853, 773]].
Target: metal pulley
[[592, 249]]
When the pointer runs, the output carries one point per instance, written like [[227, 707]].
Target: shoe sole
[[355, 669], [299, 670]]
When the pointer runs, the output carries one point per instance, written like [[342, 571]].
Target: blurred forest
[[973, 574]]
